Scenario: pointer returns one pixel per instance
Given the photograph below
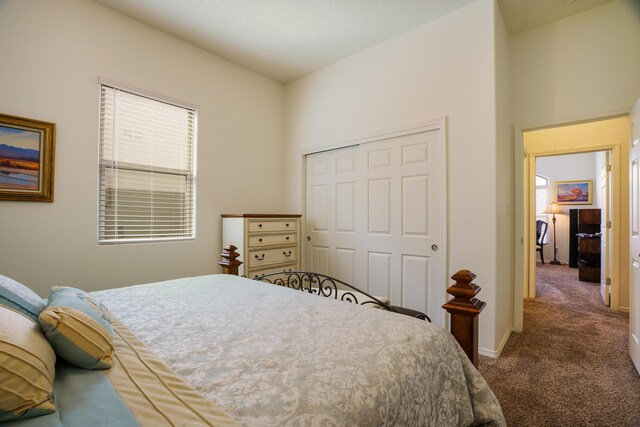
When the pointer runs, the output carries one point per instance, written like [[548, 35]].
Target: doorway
[[573, 210], [609, 134]]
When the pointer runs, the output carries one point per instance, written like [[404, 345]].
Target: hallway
[[571, 365]]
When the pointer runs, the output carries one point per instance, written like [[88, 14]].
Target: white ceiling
[[287, 39]]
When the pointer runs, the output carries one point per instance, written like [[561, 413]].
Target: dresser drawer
[[286, 268], [258, 226], [272, 256], [273, 239]]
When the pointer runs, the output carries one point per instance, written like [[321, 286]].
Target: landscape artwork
[[19, 159], [26, 159], [574, 192]]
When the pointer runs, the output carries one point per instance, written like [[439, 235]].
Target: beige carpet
[[571, 365]]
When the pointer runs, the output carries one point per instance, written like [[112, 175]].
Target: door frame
[[525, 171], [439, 123]]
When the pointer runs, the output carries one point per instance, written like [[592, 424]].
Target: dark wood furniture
[[589, 245], [464, 308], [573, 238], [541, 232]]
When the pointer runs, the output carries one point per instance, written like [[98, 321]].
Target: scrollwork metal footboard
[[464, 307], [329, 287]]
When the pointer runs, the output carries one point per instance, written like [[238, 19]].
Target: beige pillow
[[27, 370]]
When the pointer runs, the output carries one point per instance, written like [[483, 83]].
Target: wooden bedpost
[[464, 309], [229, 261]]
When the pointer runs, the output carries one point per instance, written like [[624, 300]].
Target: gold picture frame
[[26, 159]]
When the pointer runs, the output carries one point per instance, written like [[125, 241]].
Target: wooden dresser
[[267, 243]]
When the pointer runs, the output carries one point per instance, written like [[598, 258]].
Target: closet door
[[375, 217]]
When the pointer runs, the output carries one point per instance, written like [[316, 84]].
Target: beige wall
[[52, 55], [582, 67], [443, 68]]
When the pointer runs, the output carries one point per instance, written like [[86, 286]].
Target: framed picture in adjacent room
[[26, 159], [579, 192]]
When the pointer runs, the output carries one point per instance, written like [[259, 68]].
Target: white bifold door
[[376, 218]]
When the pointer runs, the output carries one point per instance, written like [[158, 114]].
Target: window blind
[[147, 174]]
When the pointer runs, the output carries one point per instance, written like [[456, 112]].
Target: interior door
[[634, 303], [605, 227], [375, 217]]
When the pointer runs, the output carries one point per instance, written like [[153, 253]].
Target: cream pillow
[[27, 368]]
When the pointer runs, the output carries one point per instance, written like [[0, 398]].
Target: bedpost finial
[[464, 276], [464, 290]]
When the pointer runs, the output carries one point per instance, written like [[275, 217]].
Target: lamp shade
[[553, 208]]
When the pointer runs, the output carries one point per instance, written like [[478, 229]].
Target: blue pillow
[[79, 328], [20, 298]]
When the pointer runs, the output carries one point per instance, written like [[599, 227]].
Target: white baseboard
[[495, 354]]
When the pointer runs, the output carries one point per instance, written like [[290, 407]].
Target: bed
[[225, 350]]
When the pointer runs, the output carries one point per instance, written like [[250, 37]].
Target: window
[[147, 172], [542, 200]]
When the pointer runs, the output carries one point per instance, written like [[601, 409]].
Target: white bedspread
[[272, 356]]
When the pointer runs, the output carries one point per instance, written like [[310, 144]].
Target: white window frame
[[543, 190], [111, 165]]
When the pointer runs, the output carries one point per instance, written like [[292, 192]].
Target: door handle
[[308, 238], [434, 247]]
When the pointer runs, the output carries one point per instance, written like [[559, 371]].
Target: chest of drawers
[[267, 243]]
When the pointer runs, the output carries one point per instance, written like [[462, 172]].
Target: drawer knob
[[259, 240], [260, 258], [287, 237], [260, 225], [287, 225], [286, 253]]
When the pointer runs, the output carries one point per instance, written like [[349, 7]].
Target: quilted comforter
[[272, 356]]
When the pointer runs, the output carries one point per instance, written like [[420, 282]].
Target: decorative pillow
[[20, 298], [78, 328], [27, 371]]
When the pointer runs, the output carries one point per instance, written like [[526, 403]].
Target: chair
[[541, 232]]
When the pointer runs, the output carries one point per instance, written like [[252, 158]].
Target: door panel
[[415, 294], [376, 212], [379, 277], [415, 205], [634, 306], [379, 215]]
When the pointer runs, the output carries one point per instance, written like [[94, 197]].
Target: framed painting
[[26, 159], [578, 192]]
